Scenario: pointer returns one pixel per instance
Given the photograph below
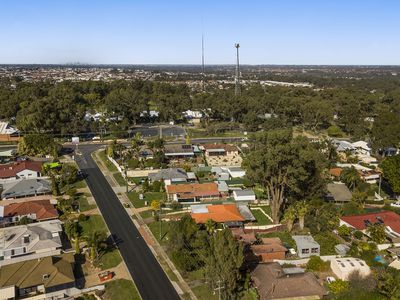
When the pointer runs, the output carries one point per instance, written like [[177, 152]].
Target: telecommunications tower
[[237, 73]]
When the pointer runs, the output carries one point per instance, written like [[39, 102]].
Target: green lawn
[[119, 178], [121, 289], [134, 198], [285, 237], [110, 259], [110, 166], [80, 184], [93, 223], [261, 218], [84, 204], [266, 209], [155, 229], [147, 214], [150, 196], [203, 292]]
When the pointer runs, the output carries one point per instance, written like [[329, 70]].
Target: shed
[[244, 195]]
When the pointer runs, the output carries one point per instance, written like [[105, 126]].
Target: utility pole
[[237, 73], [159, 216]]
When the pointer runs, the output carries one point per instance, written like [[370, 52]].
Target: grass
[[80, 184], [134, 198], [146, 214], [110, 259], [266, 209], [110, 166], [260, 217], [203, 292], [119, 178], [155, 229], [121, 289], [93, 223], [137, 180], [285, 237], [84, 204]]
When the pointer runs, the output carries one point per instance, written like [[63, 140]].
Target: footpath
[[169, 268]]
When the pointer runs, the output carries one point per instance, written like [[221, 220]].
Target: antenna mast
[[237, 73]]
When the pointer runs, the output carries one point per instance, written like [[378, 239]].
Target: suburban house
[[362, 147], [20, 170], [169, 176], [343, 267], [180, 151], [236, 172], [343, 146], [8, 132], [25, 188], [227, 214], [306, 246], [366, 174], [244, 195], [40, 210], [34, 240], [274, 282], [193, 192], [45, 278], [270, 249], [390, 219], [221, 154], [338, 193]]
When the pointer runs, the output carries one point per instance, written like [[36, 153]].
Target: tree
[[377, 233], [94, 240], [386, 130], [339, 286], [350, 177], [284, 166], [389, 283], [344, 231], [223, 259], [38, 145], [316, 264], [289, 217], [322, 217], [391, 171], [302, 208], [210, 226], [155, 205]]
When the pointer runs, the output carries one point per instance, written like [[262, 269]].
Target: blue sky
[[169, 32]]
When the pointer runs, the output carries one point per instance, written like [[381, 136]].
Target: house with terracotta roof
[[193, 192], [269, 249], [389, 219], [227, 214], [39, 210], [20, 170]]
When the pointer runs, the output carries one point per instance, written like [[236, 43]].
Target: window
[[352, 264], [361, 263], [12, 252], [314, 250], [305, 251], [46, 276]]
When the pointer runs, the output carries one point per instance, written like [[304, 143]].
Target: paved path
[[148, 275]]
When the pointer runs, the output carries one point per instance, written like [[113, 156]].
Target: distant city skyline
[[286, 32]]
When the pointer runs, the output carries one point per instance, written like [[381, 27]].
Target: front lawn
[[146, 214], [121, 289], [155, 229], [84, 204], [93, 223], [134, 198], [110, 259], [119, 179], [260, 217]]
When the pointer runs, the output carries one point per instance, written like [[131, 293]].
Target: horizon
[[157, 33]]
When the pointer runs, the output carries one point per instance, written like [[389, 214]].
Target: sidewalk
[[155, 247]]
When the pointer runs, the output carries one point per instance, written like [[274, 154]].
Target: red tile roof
[[220, 213], [43, 209], [193, 189], [389, 218], [11, 170]]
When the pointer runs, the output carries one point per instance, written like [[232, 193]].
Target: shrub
[[82, 218], [358, 234], [176, 205], [334, 131], [316, 264], [338, 286], [344, 231]]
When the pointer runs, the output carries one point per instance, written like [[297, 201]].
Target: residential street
[[145, 270]]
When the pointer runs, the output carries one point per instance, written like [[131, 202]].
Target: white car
[[396, 204], [292, 251], [330, 279]]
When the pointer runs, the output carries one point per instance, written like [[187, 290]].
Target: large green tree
[[285, 167], [386, 130], [391, 171]]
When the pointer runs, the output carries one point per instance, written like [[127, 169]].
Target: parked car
[[330, 279], [395, 204]]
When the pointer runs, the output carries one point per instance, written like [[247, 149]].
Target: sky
[[318, 32]]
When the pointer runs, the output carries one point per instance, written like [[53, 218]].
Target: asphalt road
[[148, 275]]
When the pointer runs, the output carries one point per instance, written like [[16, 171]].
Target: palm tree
[[210, 226], [289, 216], [94, 241], [350, 177], [302, 208]]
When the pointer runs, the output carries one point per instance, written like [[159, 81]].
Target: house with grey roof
[[25, 188], [244, 195], [24, 242], [338, 192], [306, 246], [169, 176]]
